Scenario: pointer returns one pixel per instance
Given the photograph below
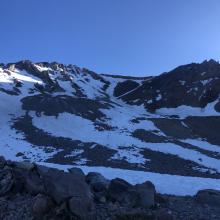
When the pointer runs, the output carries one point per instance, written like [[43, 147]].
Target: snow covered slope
[[66, 115]]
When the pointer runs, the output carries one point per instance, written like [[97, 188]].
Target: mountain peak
[[210, 62], [56, 113]]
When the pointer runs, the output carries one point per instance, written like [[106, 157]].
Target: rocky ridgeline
[[30, 191]]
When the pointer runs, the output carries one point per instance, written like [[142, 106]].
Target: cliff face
[[66, 115]]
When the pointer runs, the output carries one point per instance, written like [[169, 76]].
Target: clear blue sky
[[132, 37]]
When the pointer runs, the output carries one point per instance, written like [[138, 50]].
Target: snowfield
[[125, 155], [184, 111], [62, 127]]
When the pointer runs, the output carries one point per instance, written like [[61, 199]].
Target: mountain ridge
[[66, 115]]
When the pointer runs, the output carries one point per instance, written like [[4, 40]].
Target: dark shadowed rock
[[2, 162], [42, 170], [121, 200], [217, 106], [97, 181], [117, 190], [80, 206], [41, 205], [145, 194], [100, 197], [209, 197], [27, 178], [77, 171], [6, 181], [160, 199], [140, 195], [62, 212], [62, 185], [50, 105], [19, 177], [124, 87], [24, 165], [34, 184], [163, 214]]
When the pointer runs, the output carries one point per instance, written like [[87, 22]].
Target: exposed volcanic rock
[[124, 87], [67, 115], [71, 195], [52, 106], [44, 75], [205, 127], [194, 85]]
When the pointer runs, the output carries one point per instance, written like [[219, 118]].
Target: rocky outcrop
[[208, 197], [140, 195], [195, 84], [68, 195], [41, 206], [30, 191]]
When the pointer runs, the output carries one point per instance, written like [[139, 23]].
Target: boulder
[[6, 181], [28, 180], [77, 171], [97, 181], [62, 185], [145, 194], [118, 189], [19, 179], [80, 207], [61, 212], [209, 197], [41, 205], [34, 184], [100, 197], [42, 170], [24, 165], [140, 195]]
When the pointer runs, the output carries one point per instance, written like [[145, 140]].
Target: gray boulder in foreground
[[145, 194], [6, 181], [97, 181], [62, 186], [209, 197], [140, 195], [29, 191]]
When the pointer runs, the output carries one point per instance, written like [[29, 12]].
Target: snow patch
[[203, 145], [184, 111]]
